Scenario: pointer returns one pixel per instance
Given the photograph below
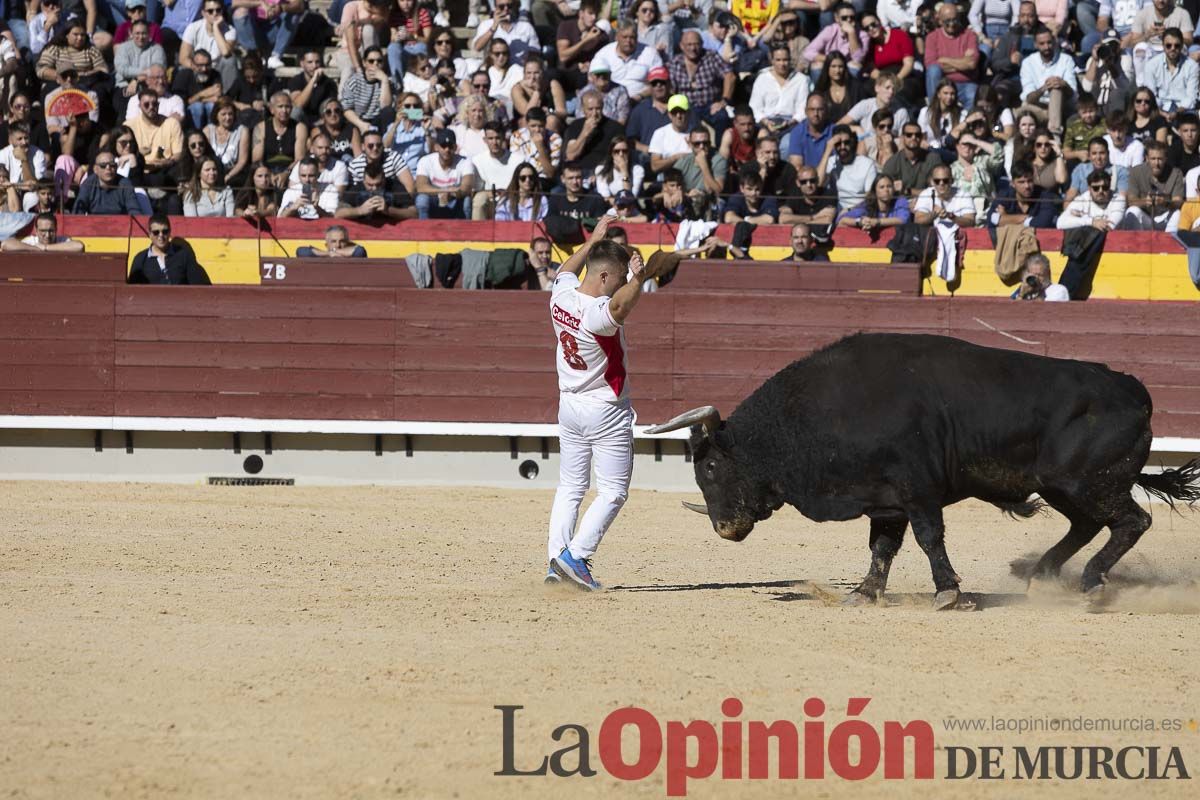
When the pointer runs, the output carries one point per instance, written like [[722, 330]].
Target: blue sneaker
[[552, 578], [576, 570]]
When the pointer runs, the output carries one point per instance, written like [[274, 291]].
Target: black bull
[[897, 427]]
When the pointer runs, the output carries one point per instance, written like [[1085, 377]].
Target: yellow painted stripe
[[1126, 276]]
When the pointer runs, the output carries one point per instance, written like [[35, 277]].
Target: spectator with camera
[[372, 201], [1036, 283], [1155, 193], [311, 199]]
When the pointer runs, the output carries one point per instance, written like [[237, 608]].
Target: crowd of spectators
[[747, 111]]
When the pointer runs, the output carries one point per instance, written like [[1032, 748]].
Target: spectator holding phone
[[310, 200]]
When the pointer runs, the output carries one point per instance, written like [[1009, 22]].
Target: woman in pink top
[[1051, 13], [364, 24]]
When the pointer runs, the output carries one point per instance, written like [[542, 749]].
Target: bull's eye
[[710, 468]]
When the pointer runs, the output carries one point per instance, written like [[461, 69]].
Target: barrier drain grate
[[218, 481]]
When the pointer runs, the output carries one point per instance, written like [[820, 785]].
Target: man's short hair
[[1099, 175], [1174, 33], [672, 175], [743, 110], [535, 114], [146, 91], [374, 170], [202, 52], [1039, 29], [844, 130], [1116, 121], [160, 219], [749, 178], [1098, 140], [607, 255], [1156, 146], [1035, 259], [337, 229], [1187, 118], [1085, 100], [23, 127], [591, 5], [48, 216], [494, 127], [539, 239], [1022, 169], [572, 166]]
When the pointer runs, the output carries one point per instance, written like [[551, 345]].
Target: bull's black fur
[[896, 427]]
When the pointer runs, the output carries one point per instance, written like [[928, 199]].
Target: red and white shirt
[[591, 344]]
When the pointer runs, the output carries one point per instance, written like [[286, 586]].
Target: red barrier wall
[[488, 356]]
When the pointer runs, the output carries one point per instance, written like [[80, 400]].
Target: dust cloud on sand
[[199, 642]]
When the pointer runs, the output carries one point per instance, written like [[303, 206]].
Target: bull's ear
[[723, 438]]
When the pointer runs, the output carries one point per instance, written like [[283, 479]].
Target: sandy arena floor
[[163, 641]]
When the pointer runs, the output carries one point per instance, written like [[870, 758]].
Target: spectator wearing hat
[[650, 113], [629, 60], [135, 11], [616, 98], [445, 180], [707, 80], [625, 207], [670, 142], [586, 140]]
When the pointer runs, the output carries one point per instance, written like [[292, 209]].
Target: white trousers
[[1138, 220], [589, 431]]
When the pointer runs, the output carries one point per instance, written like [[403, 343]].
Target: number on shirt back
[[571, 351]]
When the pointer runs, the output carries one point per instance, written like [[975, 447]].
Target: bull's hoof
[[945, 600], [1096, 598], [857, 599]]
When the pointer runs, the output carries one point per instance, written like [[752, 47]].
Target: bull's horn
[[708, 416], [699, 508]]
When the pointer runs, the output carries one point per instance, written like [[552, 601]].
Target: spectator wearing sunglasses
[[167, 260], [104, 191]]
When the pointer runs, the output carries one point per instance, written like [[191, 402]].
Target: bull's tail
[[1174, 484]]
